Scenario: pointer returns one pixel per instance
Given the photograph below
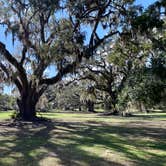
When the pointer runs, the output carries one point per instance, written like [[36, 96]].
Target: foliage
[[145, 85], [47, 39], [68, 97], [7, 102], [144, 50]]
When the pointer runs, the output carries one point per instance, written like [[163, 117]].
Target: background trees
[[7, 102], [131, 68]]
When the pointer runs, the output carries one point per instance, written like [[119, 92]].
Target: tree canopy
[[62, 34]]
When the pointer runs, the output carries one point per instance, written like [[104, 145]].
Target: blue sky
[[10, 47], [145, 3]]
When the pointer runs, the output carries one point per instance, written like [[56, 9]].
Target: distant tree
[[71, 95], [88, 96], [146, 83], [68, 97], [7, 102], [100, 77], [124, 63]]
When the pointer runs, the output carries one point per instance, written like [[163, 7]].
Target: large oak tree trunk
[[27, 105], [27, 110]]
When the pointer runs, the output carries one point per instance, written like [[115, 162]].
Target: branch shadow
[[64, 143]]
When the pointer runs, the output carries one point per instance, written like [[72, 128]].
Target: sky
[[10, 47], [145, 3]]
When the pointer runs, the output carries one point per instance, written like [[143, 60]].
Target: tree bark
[[27, 105], [27, 110], [107, 105], [90, 105]]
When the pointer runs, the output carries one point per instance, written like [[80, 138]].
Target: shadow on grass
[[149, 116], [78, 144]]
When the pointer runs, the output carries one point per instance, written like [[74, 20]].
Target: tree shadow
[[72, 143], [141, 139], [27, 139], [146, 116]]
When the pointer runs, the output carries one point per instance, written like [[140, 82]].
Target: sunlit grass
[[83, 139], [6, 115], [96, 117]]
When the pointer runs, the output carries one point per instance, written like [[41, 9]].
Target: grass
[[161, 116], [6, 115], [75, 139]]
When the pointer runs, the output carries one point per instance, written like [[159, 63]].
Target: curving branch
[[14, 62]]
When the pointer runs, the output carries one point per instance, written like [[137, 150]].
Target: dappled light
[[83, 83], [131, 142]]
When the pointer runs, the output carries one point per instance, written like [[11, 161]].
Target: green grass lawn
[[6, 115], [75, 139]]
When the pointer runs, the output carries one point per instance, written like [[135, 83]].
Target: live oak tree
[[72, 95], [146, 82], [88, 95], [99, 75], [108, 70], [67, 97], [53, 33], [140, 45]]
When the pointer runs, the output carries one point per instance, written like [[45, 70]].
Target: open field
[[71, 139]]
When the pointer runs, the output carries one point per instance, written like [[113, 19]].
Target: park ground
[[82, 139]]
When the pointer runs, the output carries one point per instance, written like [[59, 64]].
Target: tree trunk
[[114, 110], [90, 105], [27, 105], [141, 106], [107, 105], [26, 111], [80, 109]]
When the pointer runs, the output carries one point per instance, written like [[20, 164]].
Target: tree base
[[18, 117]]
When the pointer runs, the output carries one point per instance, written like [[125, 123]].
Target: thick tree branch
[[14, 62], [68, 69], [71, 67], [18, 84], [42, 26], [23, 55]]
